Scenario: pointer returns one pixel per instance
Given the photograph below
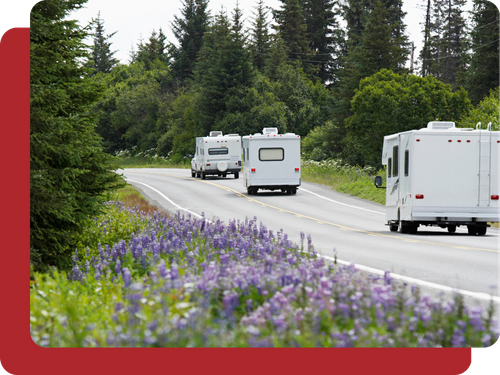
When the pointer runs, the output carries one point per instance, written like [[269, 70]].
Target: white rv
[[271, 161], [442, 176], [218, 155]]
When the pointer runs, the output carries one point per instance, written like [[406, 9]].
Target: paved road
[[350, 227]]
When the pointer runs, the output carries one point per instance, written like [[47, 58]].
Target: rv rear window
[[271, 154], [218, 151], [389, 167]]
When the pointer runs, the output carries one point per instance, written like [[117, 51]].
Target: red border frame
[[20, 355]]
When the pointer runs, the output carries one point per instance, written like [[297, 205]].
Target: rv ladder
[[484, 173]]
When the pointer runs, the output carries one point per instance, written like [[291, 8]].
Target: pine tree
[[189, 31], [156, 49], [260, 38], [483, 73], [325, 36], [292, 27], [223, 69], [446, 45], [102, 59], [69, 173]]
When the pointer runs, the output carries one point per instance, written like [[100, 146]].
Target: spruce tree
[[260, 38], [445, 40], [69, 172], [102, 59], [155, 49], [189, 31], [325, 37], [223, 69], [292, 27], [483, 73]]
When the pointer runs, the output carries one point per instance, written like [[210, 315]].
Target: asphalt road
[[352, 228]]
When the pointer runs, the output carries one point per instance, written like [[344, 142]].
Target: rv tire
[[452, 228], [236, 175], [202, 175], [393, 227], [193, 173]]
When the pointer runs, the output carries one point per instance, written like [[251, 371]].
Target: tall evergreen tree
[[325, 36], [292, 27], [69, 172], [260, 38], [445, 41], [483, 73], [102, 59], [189, 31], [155, 49], [223, 69]]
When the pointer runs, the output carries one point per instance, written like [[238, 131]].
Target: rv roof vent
[[267, 131], [215, 133], [440, 125], [232, 135]]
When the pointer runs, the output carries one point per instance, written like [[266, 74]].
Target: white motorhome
[[218, 155], [442, 176], [271, 161]]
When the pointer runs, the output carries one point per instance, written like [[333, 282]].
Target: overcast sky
[[135, 18]]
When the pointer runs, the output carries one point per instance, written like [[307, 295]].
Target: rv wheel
[[202, 175], [236, 175], [393, 227], [452, 228], [193, 173], [481, 230]]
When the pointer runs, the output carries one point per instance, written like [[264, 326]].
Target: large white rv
[[442, 176], [218, 155], [271, 161]]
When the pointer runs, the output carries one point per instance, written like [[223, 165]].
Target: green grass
[[152, 162], [355, 181]]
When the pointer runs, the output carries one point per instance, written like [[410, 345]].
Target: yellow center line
[[319, 221]]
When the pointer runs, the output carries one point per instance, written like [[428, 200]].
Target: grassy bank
[[355, 181]]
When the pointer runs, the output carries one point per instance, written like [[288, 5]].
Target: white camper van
[[218, 155], [442, 176], [271, 161]]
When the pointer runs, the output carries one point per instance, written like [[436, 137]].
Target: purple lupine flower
[[127, 278]]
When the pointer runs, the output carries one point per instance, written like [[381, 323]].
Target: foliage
[[154, 52], [488, 110], [189, 30], [483, 73], [134, 109], [185, 282], [69, 172], [445, 41], [388, 103], [344, 178], [102, 59], [260, 38]]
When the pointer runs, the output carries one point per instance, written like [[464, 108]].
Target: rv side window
[[218, 151], [389, 167], [395, 165], [407, 162], [271, 154]]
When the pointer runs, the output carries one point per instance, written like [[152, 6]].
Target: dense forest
[[340, 73]]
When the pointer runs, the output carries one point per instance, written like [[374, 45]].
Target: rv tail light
[[208, 165], [253, 169], [419, 196], [494, 197], [296, 169]]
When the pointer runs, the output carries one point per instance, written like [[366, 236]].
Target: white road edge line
[[169, 200], [481, 296], [343, 204]]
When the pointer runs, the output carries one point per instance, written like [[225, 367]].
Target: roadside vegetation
[[142, 278]]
